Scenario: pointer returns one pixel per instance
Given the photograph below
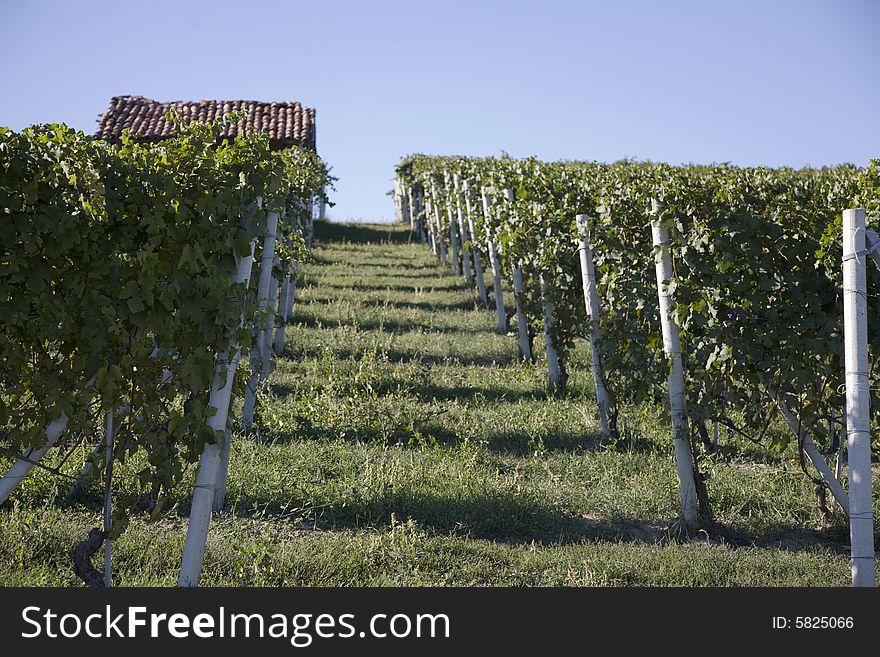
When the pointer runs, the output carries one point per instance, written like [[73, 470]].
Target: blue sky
[[774, 82]]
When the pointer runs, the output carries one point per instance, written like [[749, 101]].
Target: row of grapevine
[[125, 277], [715, 288]]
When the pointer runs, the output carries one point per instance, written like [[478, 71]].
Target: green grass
[[402, 443]]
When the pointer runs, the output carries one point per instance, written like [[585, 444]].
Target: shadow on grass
[[386, 325], [512, 518], [448, 285], [505, 516], [394, 356], [434, 434], [434, 392], [431, 306], [469, 304], [413, 265], [395, 275], [328, 231]]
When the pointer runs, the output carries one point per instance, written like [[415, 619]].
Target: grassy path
[[403, 444]]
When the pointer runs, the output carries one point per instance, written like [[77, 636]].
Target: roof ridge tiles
[[287, 123]]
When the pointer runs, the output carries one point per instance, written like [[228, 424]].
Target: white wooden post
[[421, 222], [475, 252], [282, 316], [226, 450], [453, 226], [88, 467], [108, 498], [398, 202], [211, 478], [266, 336], [495, 262], [291, 295], [310, 224], [522, 327], [591, 301], [410, 208], [404, 205], [417, 213], [462, 234], [245, 266], [810, 449], [416, 218], [206, 478], [453, 239], [672, 347], [438, 234], [22, 466], [872, 242], [858, 397], [429, 223], [264, 290], [550, 345]]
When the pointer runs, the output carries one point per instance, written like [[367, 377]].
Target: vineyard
[[402, 442], [718, 289], [125, 277], [545, 374]]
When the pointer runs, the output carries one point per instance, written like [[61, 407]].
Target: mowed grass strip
[[401, 442]]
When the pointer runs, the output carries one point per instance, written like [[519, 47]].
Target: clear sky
[[775, 82]]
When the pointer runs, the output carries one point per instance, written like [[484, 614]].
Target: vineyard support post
[[291, 292], [810, 449], [108, 498], [266, 349], [404, 205], [417, 208], [398, 202], [243, 274], [453, 227], [22, 465], [438, 235], [494, 260], [423, 218], [591, 301], [453, 241], [206, 479], [858, 397], [522, 327], [684, 459], [429, 222], [841, 446], [283, 315], [210, 489], [226, 449], [475, 252], [417, 213], [308, 211], [263, 292], [88, 467], [462, 233], [410, 208], [549, 343]]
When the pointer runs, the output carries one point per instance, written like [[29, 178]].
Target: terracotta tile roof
[[288, 124]]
